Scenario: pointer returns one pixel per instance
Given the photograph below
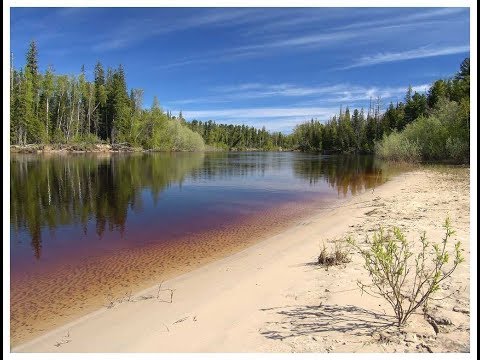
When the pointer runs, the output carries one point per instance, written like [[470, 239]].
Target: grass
[[336, 256]]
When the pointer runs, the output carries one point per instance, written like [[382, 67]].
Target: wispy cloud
[[286, 117], [273, 118], [308, 19], [311, 41], [359, 93], [313, 95], [264, 112], [423, 52], [133, 31], [265, 48], [411, 19]]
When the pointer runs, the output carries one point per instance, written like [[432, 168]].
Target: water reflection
[[71, 190], [346, 174], [67, 190]]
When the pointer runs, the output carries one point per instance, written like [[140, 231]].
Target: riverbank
[[72, 148], [272, 297], [105, 148]]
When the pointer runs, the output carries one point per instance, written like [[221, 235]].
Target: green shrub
[[58, 137], [458, 150], [185, 139], [170, 135], [397, 147], [86, 139], [444, 135], [431, 136], [406, 287]]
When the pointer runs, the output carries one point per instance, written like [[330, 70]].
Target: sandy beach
[[273, 297]]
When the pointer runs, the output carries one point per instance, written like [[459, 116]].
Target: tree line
[[426, 126], [440, 131], [240, 137], [51, 108]]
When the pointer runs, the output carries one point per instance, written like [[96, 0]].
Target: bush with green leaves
[[431, 136], [397, 147], [443, 135], [407, 285]]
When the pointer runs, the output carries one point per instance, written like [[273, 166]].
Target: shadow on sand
[[309, 320]]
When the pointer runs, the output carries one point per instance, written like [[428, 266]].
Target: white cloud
[[285, 118], [339, 93], [261, 113], [423, 52], [313, 40], [133, 31], [274, 119], [411, 19]]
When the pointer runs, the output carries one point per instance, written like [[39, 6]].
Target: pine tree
[[32, 67], [99, 114], [15, 109], [27, 118], [48, 90]]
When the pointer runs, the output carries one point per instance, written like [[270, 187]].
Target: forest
[[60, 109], [50, 108], [425, 127]]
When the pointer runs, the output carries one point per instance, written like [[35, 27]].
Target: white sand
[[271, 297]]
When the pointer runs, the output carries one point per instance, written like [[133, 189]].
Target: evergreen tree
[[415, 107], [437, 91], [48, 91], [99, 116]]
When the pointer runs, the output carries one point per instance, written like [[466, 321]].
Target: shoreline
[[73, 290], [80, 148], [258, 298]]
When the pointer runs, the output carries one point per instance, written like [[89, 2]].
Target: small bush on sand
[[338, 255], [407, 286]]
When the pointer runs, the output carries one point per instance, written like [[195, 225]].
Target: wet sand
[[41, 302]]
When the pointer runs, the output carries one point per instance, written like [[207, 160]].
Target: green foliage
[[415, 107], [429, 134], [345, 133], [397, 147], [51, 108], [406, 287], [239, 137], [54, 108], [439, 90], [443, 133], [458, 150], [89, 139]]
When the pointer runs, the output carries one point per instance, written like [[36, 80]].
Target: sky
[[272, 67]]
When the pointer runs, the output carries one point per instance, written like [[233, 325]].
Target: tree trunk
[[78, 118], [89, 115]]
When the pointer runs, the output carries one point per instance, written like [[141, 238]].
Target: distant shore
[[73, 148], [272, 297], [107, 148]]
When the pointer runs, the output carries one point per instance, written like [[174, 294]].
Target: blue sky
[[272, 67]]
